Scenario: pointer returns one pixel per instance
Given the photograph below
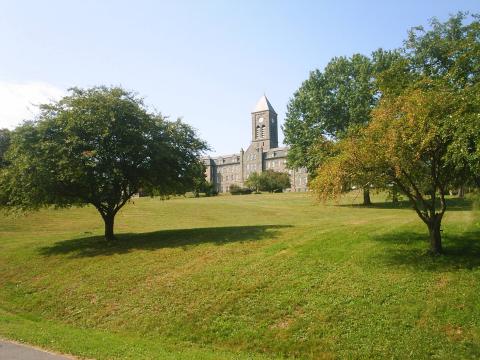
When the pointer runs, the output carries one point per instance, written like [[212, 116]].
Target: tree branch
[[417, 192]]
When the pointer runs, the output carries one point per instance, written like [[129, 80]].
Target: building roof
[[263, 105]]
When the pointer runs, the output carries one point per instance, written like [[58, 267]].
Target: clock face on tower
[[260, 120]]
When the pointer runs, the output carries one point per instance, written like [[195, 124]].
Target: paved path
[[15, 351]]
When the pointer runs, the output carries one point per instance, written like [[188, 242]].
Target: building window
[[258, 132], [263, 131]]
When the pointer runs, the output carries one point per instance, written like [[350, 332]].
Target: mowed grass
[[243, 277]]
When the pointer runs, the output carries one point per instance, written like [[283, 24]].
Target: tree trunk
[[461, 192], [366, 196], [109, 221], [435, 236]]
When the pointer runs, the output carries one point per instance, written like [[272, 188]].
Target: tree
[[5, 136], [407, 145], [254, 181], [274, 181], [330, 103], [4, 144], [203, 186], [450, 51], [98, 146], [209, 189], [271, 181], [200, 183], [464, 153], [425, 133]]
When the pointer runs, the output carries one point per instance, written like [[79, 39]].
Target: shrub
[[237, 190]]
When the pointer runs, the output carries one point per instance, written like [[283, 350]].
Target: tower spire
[[263, 105]]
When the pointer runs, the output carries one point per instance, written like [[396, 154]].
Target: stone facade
[[262, 154]]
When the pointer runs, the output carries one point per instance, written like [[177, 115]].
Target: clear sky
[[205, 61]]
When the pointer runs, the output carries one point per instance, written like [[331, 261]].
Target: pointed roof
[[263, 105]]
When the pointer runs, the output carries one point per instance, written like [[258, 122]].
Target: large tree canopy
[[425, 132], [448, 49], [329, 104], [326, 104], [98, 146], [406, 144]]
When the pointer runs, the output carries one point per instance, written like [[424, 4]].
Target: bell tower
[[264, 125]]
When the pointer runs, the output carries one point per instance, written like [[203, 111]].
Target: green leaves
[[98, 146], [4, 144], [330, 102], [448, 49], [271, 181], [423, 134]]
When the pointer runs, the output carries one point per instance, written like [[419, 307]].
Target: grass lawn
[[243, 277]]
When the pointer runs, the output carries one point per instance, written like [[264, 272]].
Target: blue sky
[[206, 61]]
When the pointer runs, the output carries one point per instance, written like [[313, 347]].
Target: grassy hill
[[242, 277]]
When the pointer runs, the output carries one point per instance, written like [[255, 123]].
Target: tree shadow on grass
[[183, 238], [453, 204], [461, 251]]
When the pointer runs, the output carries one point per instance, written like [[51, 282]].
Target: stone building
[[262, 154]]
